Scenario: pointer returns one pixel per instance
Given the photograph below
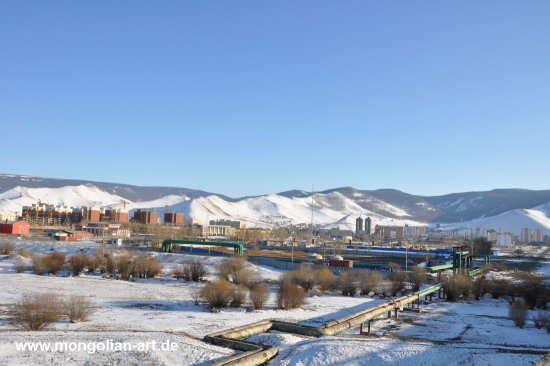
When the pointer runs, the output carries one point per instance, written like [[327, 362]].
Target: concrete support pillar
[[395, 313], [389, 314]]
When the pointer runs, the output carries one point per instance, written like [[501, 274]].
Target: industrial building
[[15, 228], [146, 217], [174, 218]]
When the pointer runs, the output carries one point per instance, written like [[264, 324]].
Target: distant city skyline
[[250, 98]]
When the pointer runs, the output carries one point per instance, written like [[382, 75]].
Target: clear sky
[[253, 97]]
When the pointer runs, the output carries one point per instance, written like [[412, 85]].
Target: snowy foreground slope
[[162, 309], [508, 210]]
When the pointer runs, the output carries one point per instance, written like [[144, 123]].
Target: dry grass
[[258, 296], [78, 309], [36, 311], [217, 293], [290, 296]]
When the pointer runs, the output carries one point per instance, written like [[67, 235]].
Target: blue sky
[[253, 97]]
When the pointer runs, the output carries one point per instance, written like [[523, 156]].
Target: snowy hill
[[511, 209]]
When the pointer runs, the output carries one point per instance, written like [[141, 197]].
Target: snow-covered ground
[[162, 309]]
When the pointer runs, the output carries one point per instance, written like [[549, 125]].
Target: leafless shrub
[[54, 262], [78, 262], [457, 287], [180, 272], [25, 253], [217, 293], [370, 281], [542, 320], [36, 311], [258, 296], [47, 263], [498, 288], [518, 312], [7, 248], [324, 278], [533, 290], [78, 309], [236, 269], [348, 283], [20, 266], [479, 287], [145, 267], [398, 280], [110, 264], [123, 266], [238, 297], [193, 270], [196, 296], [418, 277], [38, 264], [231, 265], [304, 276], [290, 296]]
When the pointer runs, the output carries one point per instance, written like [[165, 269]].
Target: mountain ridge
[[332, 207]]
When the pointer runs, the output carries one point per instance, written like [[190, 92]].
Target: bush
[[145, 267], [7, 248], [36, 311], [236, 269], [48, 263], [217, 294], [542, 320], [54, 262], [304, 276], [258, 296], [39, 264], [533, 290], [78, 309], [418, 277], [20, 266], [370, 281], [398, 280], [78, 263], [498, 288], [191, 271], [25, 253], [479, 287], [518, 312], [347, 283], [238, 297], [290, 296], [457, 287], [324, 278], [123, 266]]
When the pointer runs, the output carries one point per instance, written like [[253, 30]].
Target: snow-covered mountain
[[510, 209]]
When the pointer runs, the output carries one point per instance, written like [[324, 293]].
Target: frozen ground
[[162, 309]]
